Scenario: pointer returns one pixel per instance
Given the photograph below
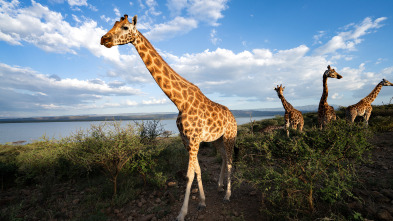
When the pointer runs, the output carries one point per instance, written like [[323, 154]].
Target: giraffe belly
[[361, 112], [210, 137]]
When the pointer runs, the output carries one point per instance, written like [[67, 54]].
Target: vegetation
[[293, 173], [306, 176], [109, 151]]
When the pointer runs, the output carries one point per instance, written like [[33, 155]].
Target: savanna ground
[[275, 177]]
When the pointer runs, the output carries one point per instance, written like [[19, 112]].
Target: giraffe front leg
[[287, 127], [202, 203], [190, 176], [286, 117]]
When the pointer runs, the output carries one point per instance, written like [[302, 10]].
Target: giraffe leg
[[202, 204], [348, 115], [220, 147], [286, 117], [193, 151], [287, 127], [301, 125], [229, 145], [367, 115], [352, 116]]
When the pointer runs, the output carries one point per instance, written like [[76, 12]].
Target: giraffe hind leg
[[202, 203], [219, 144], [229, 143]]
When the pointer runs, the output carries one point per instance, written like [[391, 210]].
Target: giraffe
[[363, 107], [199, 119], [293, 117], [325, 112]]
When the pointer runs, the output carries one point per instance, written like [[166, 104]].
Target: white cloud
[[347, 40], [176, 6], [337, 96], [207, 10], [388, 70], [155, 101], [187, 15], [25, 87], [49, 31], [174, 27], [213, 37], [317, 37], [77, 2], [117, 12]]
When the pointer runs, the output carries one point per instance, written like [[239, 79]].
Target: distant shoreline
[[152, 116]]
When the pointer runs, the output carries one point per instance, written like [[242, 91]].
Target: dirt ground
[[375, 192]]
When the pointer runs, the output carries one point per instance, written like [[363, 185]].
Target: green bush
[[39, 162], [292, 174], [149, 130], [108, 146]]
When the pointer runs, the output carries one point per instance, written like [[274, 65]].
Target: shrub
[[294, 173], [149, 130], [107, 145], [40, 162]]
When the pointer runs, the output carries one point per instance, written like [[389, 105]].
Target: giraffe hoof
[[179, 219], [226, 201], [201, 207], [220, 189]]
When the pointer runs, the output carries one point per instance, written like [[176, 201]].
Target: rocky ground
[[375, 193]]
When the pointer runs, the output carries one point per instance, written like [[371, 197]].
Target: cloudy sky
[[236, 51]]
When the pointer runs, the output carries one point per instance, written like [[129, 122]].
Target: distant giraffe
[[363, 107], [325, 112], [293, 117], [199, 119]]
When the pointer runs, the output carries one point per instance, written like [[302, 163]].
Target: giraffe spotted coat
[[199, 119]]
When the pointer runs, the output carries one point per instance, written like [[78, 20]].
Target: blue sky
[[52, 63]]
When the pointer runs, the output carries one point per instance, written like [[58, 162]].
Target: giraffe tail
[[236, 153]]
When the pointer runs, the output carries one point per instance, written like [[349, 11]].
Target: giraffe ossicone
[[326, 112], [363, 107], [293, 118], [199, 119]]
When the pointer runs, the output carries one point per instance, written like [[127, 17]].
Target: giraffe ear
[[134, 20]]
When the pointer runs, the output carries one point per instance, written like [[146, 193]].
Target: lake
[[12, 132]]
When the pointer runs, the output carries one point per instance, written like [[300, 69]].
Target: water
[[29, 132]]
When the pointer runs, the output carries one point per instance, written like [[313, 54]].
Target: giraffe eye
[[125, 28]]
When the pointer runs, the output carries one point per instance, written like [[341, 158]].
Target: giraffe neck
[[287, 106], [325, 92], [178, 89], [374, 93]]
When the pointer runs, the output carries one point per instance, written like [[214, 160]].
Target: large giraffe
[[199, 119], [325, 112], [363, 107], [293, 117]]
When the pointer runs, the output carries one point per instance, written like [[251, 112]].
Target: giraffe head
[[122, 32], [331, 73], [385, 82], [279, 90]]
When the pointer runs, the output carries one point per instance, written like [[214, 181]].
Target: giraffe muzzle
[[106, 40]]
